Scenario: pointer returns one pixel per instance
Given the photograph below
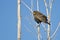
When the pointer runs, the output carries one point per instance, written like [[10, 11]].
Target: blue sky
[[8, 20]]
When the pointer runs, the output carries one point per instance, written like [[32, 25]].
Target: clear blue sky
[[8, 20]]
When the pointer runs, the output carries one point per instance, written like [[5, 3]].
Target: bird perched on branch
[[39, 17]]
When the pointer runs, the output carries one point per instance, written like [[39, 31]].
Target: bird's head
[[34, 12]]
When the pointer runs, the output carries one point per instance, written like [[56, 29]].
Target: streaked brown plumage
[[39, 17]]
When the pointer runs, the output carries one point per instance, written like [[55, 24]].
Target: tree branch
[[37, 5]]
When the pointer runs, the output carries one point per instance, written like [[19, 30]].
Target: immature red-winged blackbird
[[39, 17]]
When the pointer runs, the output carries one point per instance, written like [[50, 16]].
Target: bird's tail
[[48, 23]]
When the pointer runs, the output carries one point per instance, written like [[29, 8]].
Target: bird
[[39, 17]]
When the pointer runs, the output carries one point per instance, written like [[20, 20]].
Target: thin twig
[[37, 5], [46, 7], [50, 4], [27, 6], [55, 30]]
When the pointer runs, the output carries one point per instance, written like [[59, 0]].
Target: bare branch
[[27, 6], [38, 32], [55, 30], [37, 5], [50, 4], [19, 22], [46, 7]]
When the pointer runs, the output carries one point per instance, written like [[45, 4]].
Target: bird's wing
[[41, 17]]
